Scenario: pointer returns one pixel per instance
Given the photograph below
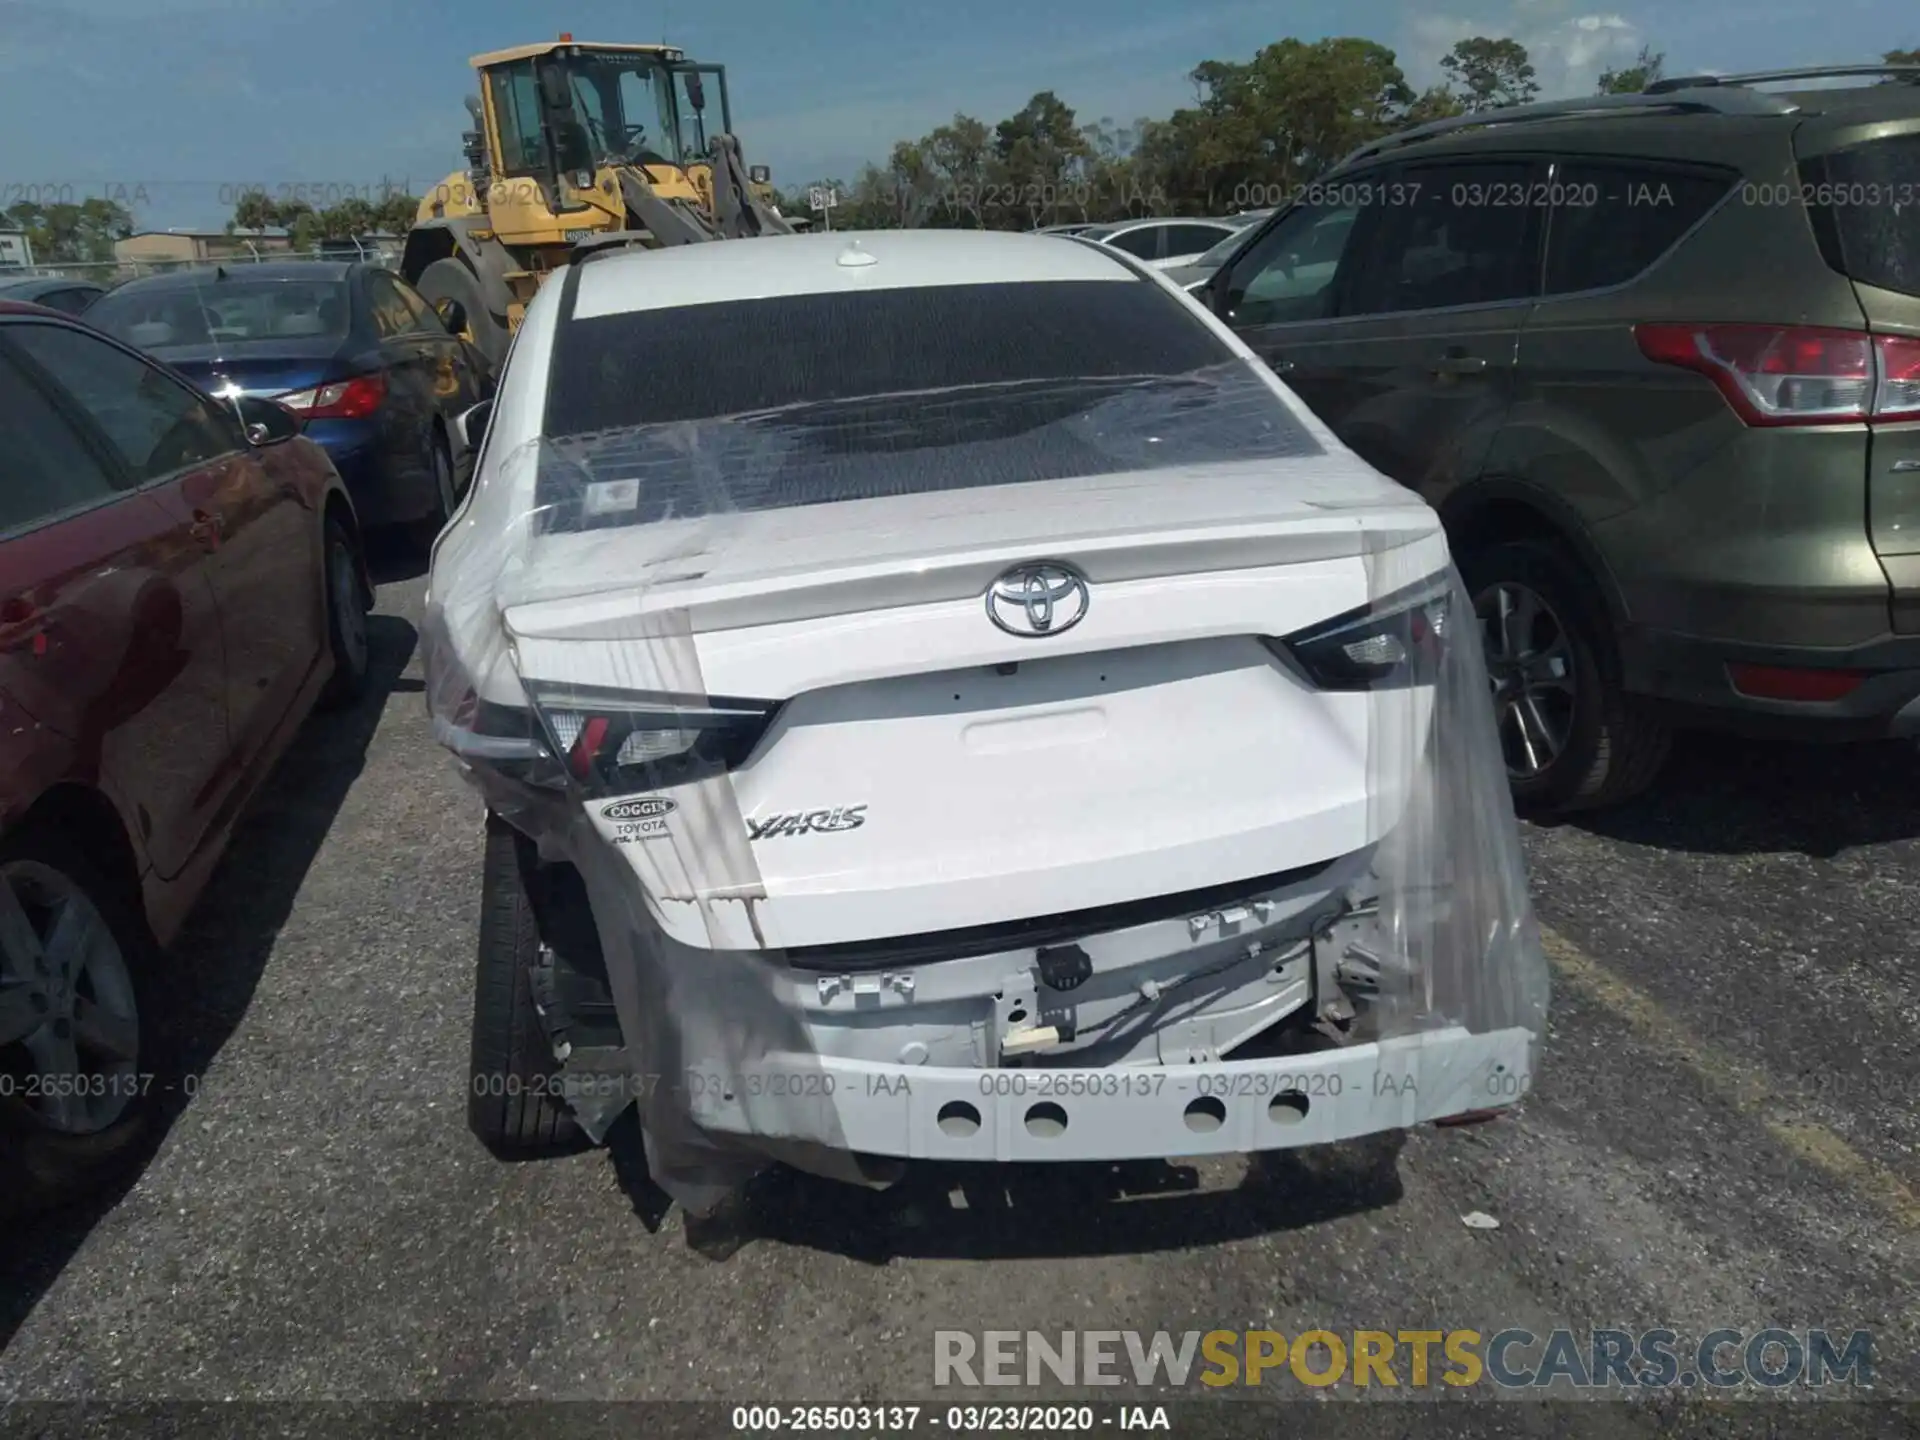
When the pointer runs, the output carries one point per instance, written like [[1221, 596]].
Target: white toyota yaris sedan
[[939, 695]]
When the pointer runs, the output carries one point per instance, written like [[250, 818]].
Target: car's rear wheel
[[445, 496], [513, 1104], [347, 606], [79, 1063], [1572, 739]]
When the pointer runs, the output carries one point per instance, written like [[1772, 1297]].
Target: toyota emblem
[[1036, 600]]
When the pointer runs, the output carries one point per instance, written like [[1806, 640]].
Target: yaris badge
[[1037, 600]]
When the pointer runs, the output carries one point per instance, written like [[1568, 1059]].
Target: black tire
[[341, 566], [452, 280], [446, 482], [1613, 749], [512, 1105], [41, 1167]]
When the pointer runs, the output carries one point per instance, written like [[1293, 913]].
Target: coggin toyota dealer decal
[[640, 817]]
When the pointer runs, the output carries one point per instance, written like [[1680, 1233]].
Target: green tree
[[1256, 131], [1898, 57], [1115, 175], [1490, 74], [302, 222], [1285, 117], [77, 234], [395, 212], [1437, 102], [961, 169], [869, 203], [1041, 159], [254, 210], [351, 217], [1179, 163], [907, 191], [1650, 65], [1258, 127]]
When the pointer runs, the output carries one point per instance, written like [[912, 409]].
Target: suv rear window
[[812, 399], [1613, 218], [1865, 202]]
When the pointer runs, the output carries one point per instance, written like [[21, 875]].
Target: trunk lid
[[261, 367], [928, 769]]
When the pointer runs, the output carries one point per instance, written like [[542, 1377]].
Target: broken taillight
[[619, 741]]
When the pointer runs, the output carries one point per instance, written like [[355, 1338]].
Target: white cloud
[[1568, 51], [1571, 56]]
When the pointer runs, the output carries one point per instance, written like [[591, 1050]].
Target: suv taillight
[[1796, 374]]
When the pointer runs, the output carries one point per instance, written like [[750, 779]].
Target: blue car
[[375, 373]]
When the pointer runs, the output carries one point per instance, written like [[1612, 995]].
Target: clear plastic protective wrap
[[1458, 941], [586, 589]]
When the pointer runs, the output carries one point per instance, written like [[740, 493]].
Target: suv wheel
[[513, 1102], [1571, 738], [77, 1044]]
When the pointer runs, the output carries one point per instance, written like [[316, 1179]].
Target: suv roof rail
[[1910, 73], [1719, 98]]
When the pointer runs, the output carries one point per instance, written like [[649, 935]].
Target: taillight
[[1899, 397], [1796, 374], [1396, 642], [618, 741], [352, 399]]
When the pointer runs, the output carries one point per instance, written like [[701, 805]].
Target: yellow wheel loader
[[574, 147]]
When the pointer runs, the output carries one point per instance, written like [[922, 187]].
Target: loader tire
[[451, 280], [513, 1101]]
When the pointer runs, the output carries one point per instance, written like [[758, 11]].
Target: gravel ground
[[1725, 1136]]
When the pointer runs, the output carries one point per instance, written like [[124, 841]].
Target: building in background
[[188, 246], [16, 253]]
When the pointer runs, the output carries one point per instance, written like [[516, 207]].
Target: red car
[[181, 581]]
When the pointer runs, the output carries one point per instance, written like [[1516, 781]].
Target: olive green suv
[[1656, 360]]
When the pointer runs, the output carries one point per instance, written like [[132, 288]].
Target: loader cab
[[563, 111]]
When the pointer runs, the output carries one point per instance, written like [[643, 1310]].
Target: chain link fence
[[109, 273]]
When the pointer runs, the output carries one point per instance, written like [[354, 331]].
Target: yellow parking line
[[1738, 1084]]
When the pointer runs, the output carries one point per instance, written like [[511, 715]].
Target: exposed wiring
[[1160, 993]]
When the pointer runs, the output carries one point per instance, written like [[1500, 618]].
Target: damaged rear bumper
[[1140, 1046], [1130, 1112]]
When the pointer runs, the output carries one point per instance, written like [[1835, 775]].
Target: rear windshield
[[222, 311], [813, 399], [644, 367], [1869, 203]]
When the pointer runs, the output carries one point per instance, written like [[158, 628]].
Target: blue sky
[[172, 105]]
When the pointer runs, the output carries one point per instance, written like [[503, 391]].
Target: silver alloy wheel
[[349, 616], [1530, 666], [69, 1027]]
